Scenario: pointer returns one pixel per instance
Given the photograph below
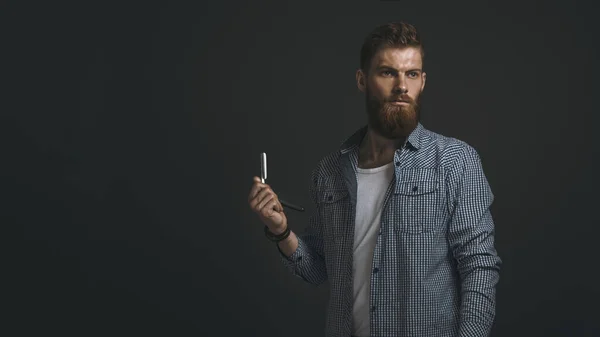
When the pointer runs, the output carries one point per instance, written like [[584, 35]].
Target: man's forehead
[[408, 57]]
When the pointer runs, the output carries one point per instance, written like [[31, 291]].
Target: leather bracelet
[[277, 238]]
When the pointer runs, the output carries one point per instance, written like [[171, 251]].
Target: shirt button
[[330, 197], [415, 188], [397, 163], [375, 270]]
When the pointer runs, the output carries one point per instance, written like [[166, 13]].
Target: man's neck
[[376, 150]]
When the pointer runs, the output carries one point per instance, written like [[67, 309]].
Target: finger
[[279, 206], [264, 202], [262, 195], [268, 209], [256, 187]]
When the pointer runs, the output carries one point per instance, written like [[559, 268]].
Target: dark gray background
[[133, 131]]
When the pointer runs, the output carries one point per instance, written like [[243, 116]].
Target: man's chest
[[414, 202]]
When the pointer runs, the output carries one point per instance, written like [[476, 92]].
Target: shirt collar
[[415, 139]]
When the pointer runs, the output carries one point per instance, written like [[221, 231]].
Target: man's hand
[[264, 202]]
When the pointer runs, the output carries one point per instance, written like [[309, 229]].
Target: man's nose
[[400, 87]]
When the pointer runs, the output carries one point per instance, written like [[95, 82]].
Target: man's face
[[393, 87]]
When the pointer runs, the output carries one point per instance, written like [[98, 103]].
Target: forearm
[[479, 269], [478, 299], [301, 256], [289, 245]]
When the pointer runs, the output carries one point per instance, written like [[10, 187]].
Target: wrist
[[288, 239], [277, 236], [278, 231]]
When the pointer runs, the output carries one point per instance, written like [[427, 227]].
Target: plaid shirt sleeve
[[308, 261], [471, 239]]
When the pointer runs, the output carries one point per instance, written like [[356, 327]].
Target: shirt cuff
[[292, 262]]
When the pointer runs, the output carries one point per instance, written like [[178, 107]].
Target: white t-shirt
[[372, 185]]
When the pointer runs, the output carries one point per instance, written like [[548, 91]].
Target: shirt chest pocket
[[334, 209], [416, 206]]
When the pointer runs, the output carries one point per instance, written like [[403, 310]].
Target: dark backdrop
[[132, 132]]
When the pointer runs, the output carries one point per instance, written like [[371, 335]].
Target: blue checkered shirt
[[435, 268]]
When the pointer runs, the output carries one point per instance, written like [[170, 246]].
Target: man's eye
[[413, 74], [387, 73]]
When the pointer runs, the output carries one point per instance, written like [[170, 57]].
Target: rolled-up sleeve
[[308, 261]]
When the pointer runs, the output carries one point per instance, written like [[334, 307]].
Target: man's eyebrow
[[381, 67]]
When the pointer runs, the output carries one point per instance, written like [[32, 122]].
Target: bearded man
[[402, 229]]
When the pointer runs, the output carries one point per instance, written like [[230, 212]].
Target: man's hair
[[390, 35]]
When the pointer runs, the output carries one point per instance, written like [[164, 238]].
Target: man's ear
[[361, 80], [424, 78]]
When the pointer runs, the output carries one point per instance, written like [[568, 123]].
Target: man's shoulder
[[448, 149], [442, 141], [328, 164]]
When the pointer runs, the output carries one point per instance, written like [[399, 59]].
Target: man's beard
[[393, 121]]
